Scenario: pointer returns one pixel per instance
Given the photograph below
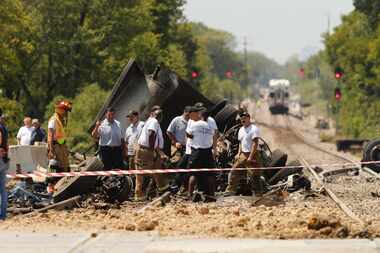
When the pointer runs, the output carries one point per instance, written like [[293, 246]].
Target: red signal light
[[338, 73], [302, 72], [338, 94], [194, 74], [229, 74]]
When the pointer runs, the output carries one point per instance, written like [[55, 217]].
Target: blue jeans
[[3, 196]]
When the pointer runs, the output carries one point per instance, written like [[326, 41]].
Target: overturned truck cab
[[135, 90]]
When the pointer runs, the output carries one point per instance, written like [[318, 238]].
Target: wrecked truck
[[135, 90]]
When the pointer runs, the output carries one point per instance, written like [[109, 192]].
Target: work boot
[[183, 192], [197, 196], [139, 199], [166, 189], [209, 198]]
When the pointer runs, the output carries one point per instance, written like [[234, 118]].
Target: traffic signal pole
[[338, 96], [246, 81]]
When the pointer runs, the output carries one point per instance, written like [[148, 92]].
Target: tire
[[225, 116], [278, 159], [119, 188], [68, 187], [285, 172], [372, 153]]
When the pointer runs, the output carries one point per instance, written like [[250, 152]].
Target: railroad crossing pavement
[[28, 242]]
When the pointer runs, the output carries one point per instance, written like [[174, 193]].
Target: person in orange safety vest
[[58, 152]]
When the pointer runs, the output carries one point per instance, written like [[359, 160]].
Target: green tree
[[14, 116], [58, 47], [85, 108], [371, 8], [220, 46], [262, 69], [354, 47]]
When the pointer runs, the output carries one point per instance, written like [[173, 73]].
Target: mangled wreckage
[[134, 90]]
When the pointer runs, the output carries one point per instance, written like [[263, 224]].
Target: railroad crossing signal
[[338, 94], [338, 73], [194, 74], [229, 74], [302, 72]]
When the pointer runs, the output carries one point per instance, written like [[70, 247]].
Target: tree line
[[353, 47], [76, 49]]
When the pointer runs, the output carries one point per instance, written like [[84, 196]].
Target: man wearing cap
[[131, 135], [202, 133], [57, 142], [247, 155], [177, 129], [177, 134], [38, 134], [24, 134], [210, 120], [149, 153], [111, 141]]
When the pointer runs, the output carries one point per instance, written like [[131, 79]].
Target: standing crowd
[[32, 134], [193, 137]]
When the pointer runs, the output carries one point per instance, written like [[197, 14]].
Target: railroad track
[[352, 194], [346, 160]]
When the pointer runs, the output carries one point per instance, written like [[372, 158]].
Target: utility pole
[[328, 23], [246, 77]]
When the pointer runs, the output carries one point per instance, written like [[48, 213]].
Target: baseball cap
[[244, 114], [199, 104], [196, 109], [132, 113], [155, 108]]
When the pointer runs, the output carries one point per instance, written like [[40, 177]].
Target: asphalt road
[[17, 242]]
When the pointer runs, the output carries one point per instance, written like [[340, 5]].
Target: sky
[[277, 28]]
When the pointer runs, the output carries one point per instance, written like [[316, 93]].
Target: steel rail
[[302, 138], [332, 195]]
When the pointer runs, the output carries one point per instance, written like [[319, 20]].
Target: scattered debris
[[349, 171], [66, 204], [165, 198], [318, 222], [322, 124]]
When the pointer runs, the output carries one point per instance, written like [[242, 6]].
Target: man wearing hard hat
[[58, 152]]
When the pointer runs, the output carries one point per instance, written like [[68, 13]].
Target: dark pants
[[3, 196], [203, 158], [112, 157], [182, 178]]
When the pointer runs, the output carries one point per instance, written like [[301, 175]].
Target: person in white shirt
[[201, 131], [211, 121], [131, 134], [177, 134], [111, 141], [24, 134], [177, 129], [247, 155], [149, 153]]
